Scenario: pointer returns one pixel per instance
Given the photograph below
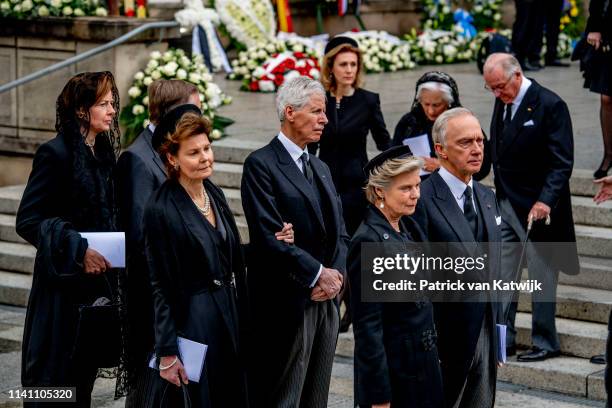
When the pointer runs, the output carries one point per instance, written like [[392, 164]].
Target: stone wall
[[27, 114]]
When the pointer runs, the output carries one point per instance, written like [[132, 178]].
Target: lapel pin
[[529, 109], [386, 236]]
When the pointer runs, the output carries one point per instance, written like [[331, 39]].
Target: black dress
[[343, 148], [68, 191], [597, 74], [193, 268], [396, 357]]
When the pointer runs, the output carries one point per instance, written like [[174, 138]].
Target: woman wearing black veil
[[70, 190], [435, 93]]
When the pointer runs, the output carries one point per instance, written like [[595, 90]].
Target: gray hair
[[434, 86], [296, 93], [508, 63], [381, 176], [438, 131]]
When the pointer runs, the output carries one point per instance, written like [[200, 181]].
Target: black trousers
[[527, 30]]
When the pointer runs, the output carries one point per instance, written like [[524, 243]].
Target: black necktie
[[508, 115], [306, 169], [469, 212]]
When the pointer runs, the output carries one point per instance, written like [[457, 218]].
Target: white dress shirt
[[525, 84], [296, 153], [457, 187]]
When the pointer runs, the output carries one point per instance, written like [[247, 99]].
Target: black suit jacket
[[140, 172], [459, 324], [532, 161], [274, 191], [393, 361]]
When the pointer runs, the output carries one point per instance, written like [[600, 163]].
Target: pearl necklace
[[206, 209]]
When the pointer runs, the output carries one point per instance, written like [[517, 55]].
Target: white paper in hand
[[419, 146], [111, 245], [192, 355]]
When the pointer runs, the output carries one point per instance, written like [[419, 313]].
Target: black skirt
[[597, 77]]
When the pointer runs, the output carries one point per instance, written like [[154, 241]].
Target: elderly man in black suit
[[140, 172], [292, 288], [532, 152], [456, 208]]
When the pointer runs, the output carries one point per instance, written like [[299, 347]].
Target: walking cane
[[517, 276]]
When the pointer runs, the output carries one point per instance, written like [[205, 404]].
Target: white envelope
[[529, 123], [192, 355], [110, 245]]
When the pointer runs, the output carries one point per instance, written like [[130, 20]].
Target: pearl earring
[[176, 167], [382, 203]]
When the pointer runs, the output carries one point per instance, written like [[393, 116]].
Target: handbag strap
[[186, 397]]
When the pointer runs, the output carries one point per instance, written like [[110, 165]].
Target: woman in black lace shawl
[[435, 93], [70, 190]]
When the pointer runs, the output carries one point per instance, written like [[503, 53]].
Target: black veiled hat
[[441, 77], [397, 152], [339, 40], [168, 122]]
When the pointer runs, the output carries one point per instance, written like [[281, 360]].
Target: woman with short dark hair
[[70, 190]]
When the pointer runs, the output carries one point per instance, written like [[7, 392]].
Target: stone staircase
[[584, 301]]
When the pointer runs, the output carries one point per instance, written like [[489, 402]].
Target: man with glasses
[[532, 152]]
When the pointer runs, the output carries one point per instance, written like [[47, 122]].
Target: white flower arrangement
[[383, 52], [173, 64], [255, 56], [439, 47], [249, 22], [22, 9]]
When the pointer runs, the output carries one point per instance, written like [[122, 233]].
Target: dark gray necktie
[[306, 169], [469, 212], [508, 115]]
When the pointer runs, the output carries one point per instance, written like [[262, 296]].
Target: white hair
[[508, 63], [438, 131], [296, 93], [434, 86]]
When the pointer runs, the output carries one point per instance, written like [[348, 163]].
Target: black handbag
[[164, 403], [98, 335]]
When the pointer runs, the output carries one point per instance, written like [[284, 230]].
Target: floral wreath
[[249, 22]]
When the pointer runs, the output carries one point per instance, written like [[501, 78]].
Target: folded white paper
[[501, 343], [110, 245], [419, 145], [192, 355]]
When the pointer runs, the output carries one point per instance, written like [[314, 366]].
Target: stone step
[[15, 288], [594, 241], [9, 198], [577, 303], [234, 200], [566, 375], [581, 183], [579, 339], [17, 257], [232, 150], [227, 175], [7, 229], [586, 212], [243, 228], [595, 273]]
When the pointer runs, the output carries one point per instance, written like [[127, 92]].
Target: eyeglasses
[[498, 88]]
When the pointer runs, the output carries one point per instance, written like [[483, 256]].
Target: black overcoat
[[532, 161], [59, 285], [274, 191], [140, 172], [396, 358], [184, 259], [459, 324], [343, 147]]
